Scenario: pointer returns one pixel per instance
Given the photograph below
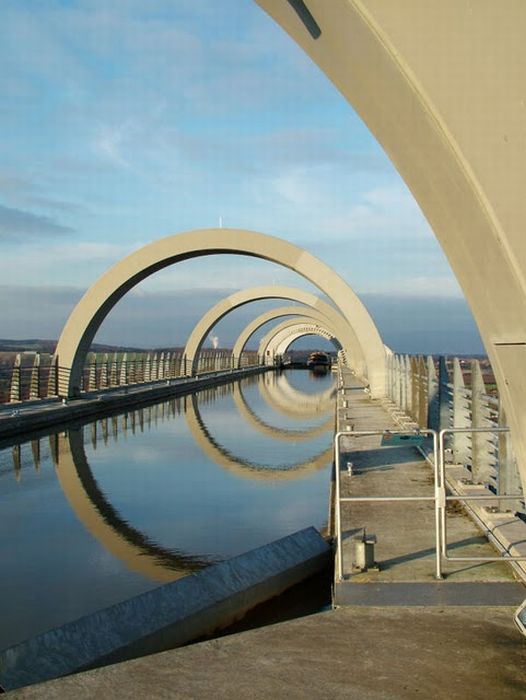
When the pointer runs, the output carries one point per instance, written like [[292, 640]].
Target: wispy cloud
[[16, 224], [109, 141]]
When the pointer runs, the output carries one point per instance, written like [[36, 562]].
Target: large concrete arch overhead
[[441, 86], [348, 337], [281, 311], [82, 324]]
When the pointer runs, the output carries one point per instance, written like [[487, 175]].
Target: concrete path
[[353, 652], [405, 530]]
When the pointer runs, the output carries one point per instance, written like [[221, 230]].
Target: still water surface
[[97, 513]]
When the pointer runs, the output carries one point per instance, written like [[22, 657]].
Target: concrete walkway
[[353, 652], [405, 530]]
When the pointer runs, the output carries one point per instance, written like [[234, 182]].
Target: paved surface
[[362, 653], [405, 550]]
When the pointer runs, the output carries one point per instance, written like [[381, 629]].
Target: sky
[[124, 122]]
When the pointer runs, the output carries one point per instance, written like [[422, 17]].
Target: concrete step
[[432, 593]]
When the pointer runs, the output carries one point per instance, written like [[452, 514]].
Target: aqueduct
[[347, 336], [81, 326], [295, 311]]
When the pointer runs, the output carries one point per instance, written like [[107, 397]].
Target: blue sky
[[124, 122]]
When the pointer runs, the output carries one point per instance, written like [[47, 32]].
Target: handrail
[[339, 500], [444, 497]]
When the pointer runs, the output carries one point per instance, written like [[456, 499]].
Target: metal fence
[[36, 376], [443, 393]]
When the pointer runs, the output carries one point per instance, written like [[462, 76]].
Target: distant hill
[[40, 345]]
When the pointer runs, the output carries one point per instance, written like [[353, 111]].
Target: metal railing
[[444, 498], [435, 394], [35, 376], [383, 499], [440, 497]]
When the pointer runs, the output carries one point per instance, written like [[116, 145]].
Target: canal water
[[97, 513]]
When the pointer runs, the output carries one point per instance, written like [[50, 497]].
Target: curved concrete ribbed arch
[[271, 315], [281, 344], [222, 457], [272, 431], [457, 143], [348, 337], [100, 518], [268, 344], [101, 297]]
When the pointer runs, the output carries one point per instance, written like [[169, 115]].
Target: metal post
[[482, 447], [433, 406], [123, 374], [444, 402], [461, 416], [15, 393], [34, 388]]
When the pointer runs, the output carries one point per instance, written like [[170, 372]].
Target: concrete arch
[[276, 335], [86, 317], [448, 108], [281, 344], [202, 329], [256, 324]]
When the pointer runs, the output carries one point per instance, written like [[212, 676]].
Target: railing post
[[103, 382], [421, 417], [433, 395], [444, 403], [482, 447], [92, 372], [15, 392], [407, 384], [508, 477], [52, 383], [155, 367], [147, 368], [415, 394], [34, 388], [123, 374], [113, 370], [461, 417]]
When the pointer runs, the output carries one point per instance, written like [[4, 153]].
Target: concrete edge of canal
[[168, 616]]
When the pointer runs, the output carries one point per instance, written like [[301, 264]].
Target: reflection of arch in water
[[345, 332], [281, 396], [224, 458], [85, 319], [296, 311], [276, 433], [100, 518]]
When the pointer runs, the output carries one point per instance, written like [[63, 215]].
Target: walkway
[[405, 548], [353, 653]]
